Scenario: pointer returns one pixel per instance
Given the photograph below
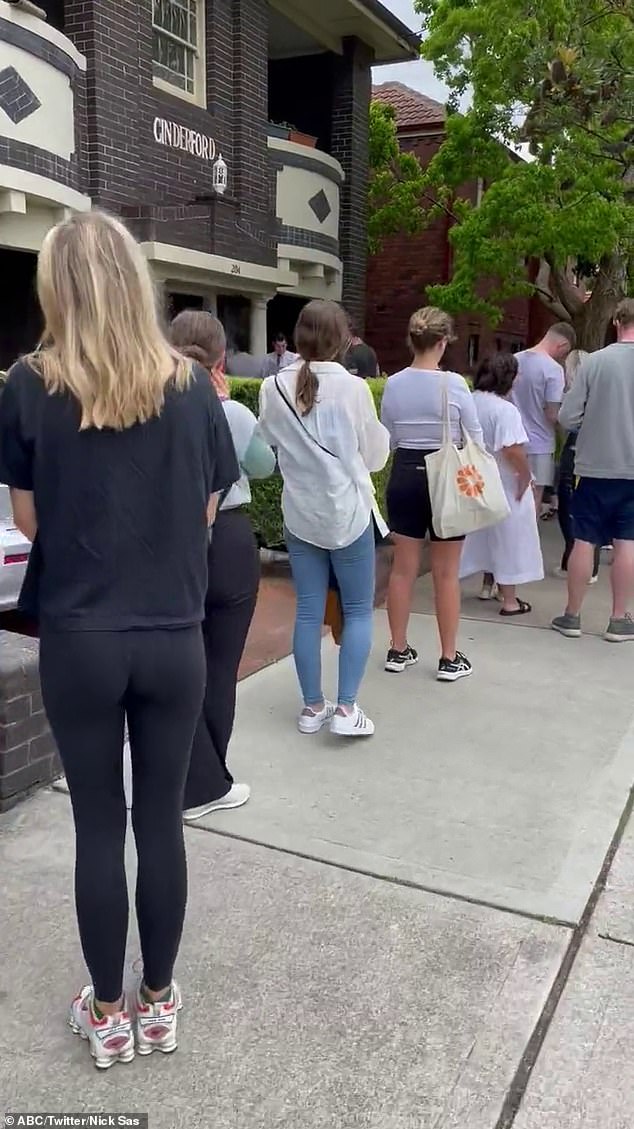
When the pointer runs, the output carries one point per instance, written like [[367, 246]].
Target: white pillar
[[259, 336]]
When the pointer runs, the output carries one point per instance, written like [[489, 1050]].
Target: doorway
[[20, 316]]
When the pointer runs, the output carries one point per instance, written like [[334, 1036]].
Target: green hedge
[[266, 510]]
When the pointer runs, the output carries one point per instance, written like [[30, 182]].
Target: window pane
[[174, 61], [177, 17]]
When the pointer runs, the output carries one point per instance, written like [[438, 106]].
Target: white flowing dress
[[511, 551]]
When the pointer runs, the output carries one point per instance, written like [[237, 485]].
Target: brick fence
[[28, 756]]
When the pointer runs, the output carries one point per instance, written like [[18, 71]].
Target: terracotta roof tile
[[413, 109]]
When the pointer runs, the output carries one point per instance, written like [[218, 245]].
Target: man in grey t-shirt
[[537, 393], [600, 406]]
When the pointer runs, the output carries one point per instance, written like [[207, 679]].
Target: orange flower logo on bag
[[470, 482]]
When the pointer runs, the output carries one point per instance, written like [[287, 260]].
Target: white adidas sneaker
[[310, 722], [354, 724]]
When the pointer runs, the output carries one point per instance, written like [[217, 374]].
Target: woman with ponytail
[[234, 576], [324, 424]]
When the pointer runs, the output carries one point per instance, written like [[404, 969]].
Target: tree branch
[[565, 290], [437, 204], [541, 287]]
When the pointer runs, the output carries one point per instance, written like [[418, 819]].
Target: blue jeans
[[354, 569]]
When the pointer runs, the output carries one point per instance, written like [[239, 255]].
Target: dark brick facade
[[351, 107], [28, 756], [157, 187], [166, 194]]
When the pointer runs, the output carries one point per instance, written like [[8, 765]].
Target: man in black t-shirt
[[360, 360]]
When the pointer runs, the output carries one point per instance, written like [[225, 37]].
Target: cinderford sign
[[187, 140]]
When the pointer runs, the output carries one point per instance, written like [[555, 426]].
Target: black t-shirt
[[122, 515], [361, 360]]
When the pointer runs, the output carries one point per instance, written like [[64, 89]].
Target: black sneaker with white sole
[[398, 661], [450, 670]]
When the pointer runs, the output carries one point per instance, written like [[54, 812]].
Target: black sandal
[[522, 609]]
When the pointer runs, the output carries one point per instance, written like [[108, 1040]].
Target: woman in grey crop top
[[234, 576], [412, 410]]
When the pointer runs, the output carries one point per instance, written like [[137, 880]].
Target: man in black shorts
[[600, 405]]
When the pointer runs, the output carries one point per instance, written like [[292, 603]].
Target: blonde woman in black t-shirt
[[115, 449]]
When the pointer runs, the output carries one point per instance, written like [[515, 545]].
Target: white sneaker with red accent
[[156, 1023], [111, 1038]]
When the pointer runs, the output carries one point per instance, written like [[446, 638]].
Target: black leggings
[[234, 577], [565, 493], [92, 680]]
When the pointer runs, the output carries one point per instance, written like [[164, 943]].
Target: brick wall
[[154, 186], [28, 757], [351, 107], [400, 274]]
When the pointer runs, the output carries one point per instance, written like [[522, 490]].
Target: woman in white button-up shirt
[[324, 424]]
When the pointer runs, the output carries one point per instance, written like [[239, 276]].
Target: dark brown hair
[[496, 374], [199, 335], [427, 327], [321, 334]]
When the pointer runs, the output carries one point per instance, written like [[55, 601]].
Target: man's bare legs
[[580, 566], [622, 578]]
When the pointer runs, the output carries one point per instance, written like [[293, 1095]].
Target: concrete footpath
[[430, 930]]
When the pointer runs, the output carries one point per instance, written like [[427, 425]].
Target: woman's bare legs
[[509, 597], [445, 563], [405, 569]]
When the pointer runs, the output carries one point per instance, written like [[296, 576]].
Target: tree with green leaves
[[397, 181], [556, 76]]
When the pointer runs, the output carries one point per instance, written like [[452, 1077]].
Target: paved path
[[409, 933]]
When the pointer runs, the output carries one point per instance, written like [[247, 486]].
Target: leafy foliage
[[397, 181], [557, 76]]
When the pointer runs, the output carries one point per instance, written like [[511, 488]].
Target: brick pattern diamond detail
[[16, 98], [320, 206]]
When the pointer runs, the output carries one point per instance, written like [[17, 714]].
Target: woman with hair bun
[[510, 551], [413, 411]]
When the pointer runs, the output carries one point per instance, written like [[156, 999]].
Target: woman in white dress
[[510, 551]]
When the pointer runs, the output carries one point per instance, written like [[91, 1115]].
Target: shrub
[[266, 508]]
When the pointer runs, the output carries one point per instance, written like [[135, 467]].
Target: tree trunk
[[592, 323], [590, 319]]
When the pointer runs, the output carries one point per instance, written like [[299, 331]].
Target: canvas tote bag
[[464, 484]]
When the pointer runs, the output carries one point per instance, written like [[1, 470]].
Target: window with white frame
[[178, 47]]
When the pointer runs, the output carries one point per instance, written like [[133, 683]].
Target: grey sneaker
[[568, 625], [620, 630]]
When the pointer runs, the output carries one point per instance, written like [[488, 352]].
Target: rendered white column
[[259, 336]]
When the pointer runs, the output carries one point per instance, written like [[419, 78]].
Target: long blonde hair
[[102, 340], [571, 365]]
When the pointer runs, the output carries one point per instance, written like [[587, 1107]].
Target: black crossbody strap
[[300, 421], [378, 538]]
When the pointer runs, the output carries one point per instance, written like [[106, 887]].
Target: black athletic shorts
[[408, 502]]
